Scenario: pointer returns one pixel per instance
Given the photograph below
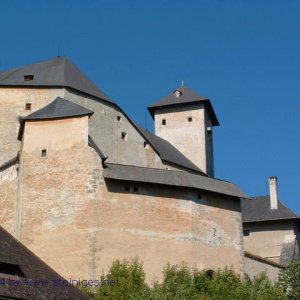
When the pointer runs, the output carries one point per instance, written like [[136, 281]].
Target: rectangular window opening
[[28, 77], [163, 122], [190, 119], [119, 118], [28, 106], [44, 153], [246, 232], [123, 135], [146, 145], [11, 269]]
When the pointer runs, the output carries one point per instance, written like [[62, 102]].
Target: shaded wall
[[253, 268], [272, 240]]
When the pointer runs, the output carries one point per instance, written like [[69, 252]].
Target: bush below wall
[[126, 280]]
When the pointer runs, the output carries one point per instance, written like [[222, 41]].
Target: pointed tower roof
[[58, 72], [58, 109], [184, 96]]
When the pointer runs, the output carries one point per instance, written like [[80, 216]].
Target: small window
[[44, 153], [190, 119], [163, 122], [123, 135], [246, 232], [28, 106], [11, 269], [28, 77], [146, 145], [127, 188], [136, 189], [119, 118]]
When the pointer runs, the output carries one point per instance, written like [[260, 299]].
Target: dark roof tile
[[259, 209], [59, 72], [187, 97], [59, 108], [171, 178], [15, 253]]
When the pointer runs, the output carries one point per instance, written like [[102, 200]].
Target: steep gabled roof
[[258, 209], [187, 97], [58, 72], [168, 152], [171, 178], [16, 259], [57, 109]]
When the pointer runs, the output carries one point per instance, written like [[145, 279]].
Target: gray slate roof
[[168, 152], [59, 108], [58, 72], [171, 178], [258, 209], [187, 97]]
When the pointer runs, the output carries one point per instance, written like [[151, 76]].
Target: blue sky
[[243, 55]]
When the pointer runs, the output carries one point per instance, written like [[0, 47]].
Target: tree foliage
[[183, 283], [289, 280]]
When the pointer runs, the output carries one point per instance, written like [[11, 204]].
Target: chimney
[[273, 192]]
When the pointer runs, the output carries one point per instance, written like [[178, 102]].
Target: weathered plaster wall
[[57, 202], [13, 101], [68, 211], [8, 195], [55, 135], [103, 126], [254, 268], [106, 130], [160, 225], [188, 137], [273, 240]]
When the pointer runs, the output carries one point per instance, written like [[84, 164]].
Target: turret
[[186, 120]]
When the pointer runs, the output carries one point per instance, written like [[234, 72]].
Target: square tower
[[185, 119]]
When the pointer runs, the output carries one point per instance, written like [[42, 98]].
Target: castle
[[81, 184]]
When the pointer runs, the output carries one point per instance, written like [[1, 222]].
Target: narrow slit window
[[28, 106], [190, 119], [123, 135], [164, 122], [119, 118], [44, 153], [28, 77]]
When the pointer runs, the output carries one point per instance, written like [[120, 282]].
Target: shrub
[[183, 283], [289, 280], [130, 278]]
